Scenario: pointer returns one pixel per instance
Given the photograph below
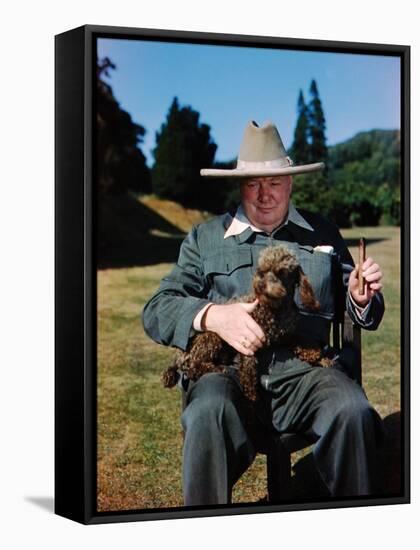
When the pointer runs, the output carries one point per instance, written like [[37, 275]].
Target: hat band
[[258, 165]]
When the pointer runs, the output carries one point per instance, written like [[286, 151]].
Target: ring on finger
[[245, 343]]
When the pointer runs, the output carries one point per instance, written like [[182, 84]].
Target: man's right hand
[[234, 324]]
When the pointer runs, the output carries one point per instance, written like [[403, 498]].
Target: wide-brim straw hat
[[262, 153]]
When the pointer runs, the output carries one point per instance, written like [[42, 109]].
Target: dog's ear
[[258, 283], [306, 292]]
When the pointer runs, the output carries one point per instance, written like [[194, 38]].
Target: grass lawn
[[139, 432]]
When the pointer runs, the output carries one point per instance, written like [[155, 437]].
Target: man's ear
[[306, 292]]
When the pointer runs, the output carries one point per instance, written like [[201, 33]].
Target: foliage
[[388, 200], [309, 141], [365, 179], [364, 145], [183, 146], [311, 192], [121, 165], [299, 151], [221, 194], [363, 184], [318, 151]]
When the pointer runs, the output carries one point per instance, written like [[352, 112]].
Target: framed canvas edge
[[84, 384], [243, 39], [70, 336], [405, 387]]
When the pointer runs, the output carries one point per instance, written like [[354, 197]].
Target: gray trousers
[[295, 397]]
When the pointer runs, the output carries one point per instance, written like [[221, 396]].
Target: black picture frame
[[75, 270]]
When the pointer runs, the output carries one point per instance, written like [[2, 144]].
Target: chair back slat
[[351, 337]]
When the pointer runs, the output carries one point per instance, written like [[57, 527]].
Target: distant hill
[[371, 157], [361, 183], [364, 144]]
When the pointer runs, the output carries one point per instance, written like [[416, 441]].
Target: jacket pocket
[[229, 274], [226, 262], [318, 266]]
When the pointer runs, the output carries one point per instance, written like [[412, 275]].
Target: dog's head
[[278, 275]]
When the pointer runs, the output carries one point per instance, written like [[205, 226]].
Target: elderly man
[[216, 262]]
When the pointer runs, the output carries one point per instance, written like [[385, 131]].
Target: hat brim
[[261, 172]]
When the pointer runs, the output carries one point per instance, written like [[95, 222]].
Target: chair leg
[[278, 472]]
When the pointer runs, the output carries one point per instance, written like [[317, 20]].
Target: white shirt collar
[[240, 222]]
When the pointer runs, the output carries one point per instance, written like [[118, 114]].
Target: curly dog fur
[[277, 276]]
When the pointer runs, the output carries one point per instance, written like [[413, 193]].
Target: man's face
[[265, 200]]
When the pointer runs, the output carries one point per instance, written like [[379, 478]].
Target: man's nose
[[264, 195]]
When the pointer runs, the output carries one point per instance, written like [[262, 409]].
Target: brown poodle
[[277, 276]]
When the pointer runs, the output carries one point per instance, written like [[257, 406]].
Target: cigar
[[362, 258]]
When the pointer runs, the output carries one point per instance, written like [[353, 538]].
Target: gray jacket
[[213, 269]]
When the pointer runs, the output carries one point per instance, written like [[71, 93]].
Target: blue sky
[[230, 85]]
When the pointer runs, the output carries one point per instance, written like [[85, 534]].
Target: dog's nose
[[276, 290]]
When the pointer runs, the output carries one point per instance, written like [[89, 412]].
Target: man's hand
[[373, 276], [234, 324]]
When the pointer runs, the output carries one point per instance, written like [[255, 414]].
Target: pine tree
[[183, 146], [318, 151], [121, 164], [299, 151]]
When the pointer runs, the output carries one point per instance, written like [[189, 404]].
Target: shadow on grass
[[131, 234], [307, 482], [355, 242]]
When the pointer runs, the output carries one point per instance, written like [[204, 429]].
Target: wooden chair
[[346, 337]]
